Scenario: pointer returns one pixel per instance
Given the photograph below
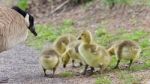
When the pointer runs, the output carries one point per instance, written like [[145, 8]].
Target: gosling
[[73, 53], [49, 60], [127, 50], [93, 54], [61, 43]]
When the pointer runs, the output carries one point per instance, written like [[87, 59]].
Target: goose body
[[13, 28], [14, 25]]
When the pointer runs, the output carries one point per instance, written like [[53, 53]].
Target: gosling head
[[111, 51], [86, 37], [29, 19]]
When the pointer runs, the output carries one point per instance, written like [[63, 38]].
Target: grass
[[103, 80], [48, 33], [23, 4], [126, 78], [126, 2], [66, 74]]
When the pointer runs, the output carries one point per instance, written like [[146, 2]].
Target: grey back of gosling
[[13, 27]]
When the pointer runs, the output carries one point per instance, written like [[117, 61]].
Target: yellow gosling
[[93, 54], [126, 49], [49, 60]]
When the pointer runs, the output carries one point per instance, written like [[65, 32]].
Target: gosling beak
[[64, 66], [79, 38]]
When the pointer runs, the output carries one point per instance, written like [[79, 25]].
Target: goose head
[[29, 19]]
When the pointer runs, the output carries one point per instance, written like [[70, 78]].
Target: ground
[[23, 68]]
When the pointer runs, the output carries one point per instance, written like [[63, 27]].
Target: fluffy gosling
[[49, 60], [71, 52], [93, 54], [61, 43], [126, 49]]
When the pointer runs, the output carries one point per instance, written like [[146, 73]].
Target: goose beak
[[33, 31]]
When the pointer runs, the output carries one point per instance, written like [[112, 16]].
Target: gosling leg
[[44, 72], [85, 69], [73, 63], [54, 69], [103, 68], [130, 63], [117, 64]]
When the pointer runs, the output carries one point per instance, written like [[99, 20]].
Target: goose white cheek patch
[[27, 19]]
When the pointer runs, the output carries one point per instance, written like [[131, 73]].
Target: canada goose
[[93, 54], [126, 49], [49, 60], [14, 25], [71, 52]]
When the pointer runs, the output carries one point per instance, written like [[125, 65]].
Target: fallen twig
[[60, 6]]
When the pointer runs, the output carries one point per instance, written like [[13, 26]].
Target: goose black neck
[[20, 11]]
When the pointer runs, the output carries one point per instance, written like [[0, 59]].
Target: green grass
[[110, 2], [66, 74], [126, 78], [127, 2], [23, 4], [103, 80], [48, 33]]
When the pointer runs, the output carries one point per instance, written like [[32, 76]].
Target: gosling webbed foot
[[91, 71]]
